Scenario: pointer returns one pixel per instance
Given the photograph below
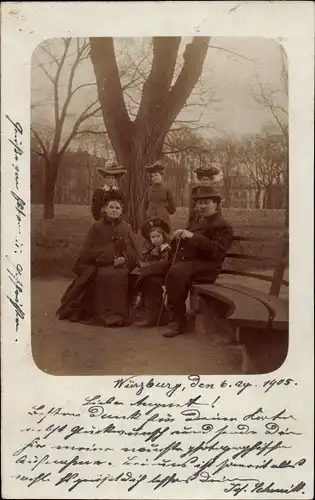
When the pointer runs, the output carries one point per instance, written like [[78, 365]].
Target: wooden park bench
[[258, 319]]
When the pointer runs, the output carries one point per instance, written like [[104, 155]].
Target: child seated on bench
[[156, 257], [157, 233]]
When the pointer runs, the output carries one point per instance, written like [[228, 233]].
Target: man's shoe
[[114, 321], [175, 329], [164, 319], [145, 323]]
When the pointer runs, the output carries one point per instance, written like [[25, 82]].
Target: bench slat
[[242, 256], [248, 274], [278, 308], [245, 310], [260, 238]]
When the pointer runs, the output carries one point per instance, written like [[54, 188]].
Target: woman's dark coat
[[158, 202], [99, 291]]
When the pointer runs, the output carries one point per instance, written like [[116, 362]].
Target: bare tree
[[53, 150], [228, 155], [264, 159], [140, 140], [275, 99]]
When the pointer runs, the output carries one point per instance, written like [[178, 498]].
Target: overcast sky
[[231, 79]]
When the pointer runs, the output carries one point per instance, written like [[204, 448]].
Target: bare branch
[[232, 52], [82, 117], [67, 42], [132, 99], [49, 76], [82, 86], [190, 127], [194, 57], [38, 153], [110, 90], [269, 104], [90, 131], [73, 69], [44, 151], [45, 48], [165, 51], [39, 103], [284, 69]]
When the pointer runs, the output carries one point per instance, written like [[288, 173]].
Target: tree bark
[[257, 198], [134, 160]]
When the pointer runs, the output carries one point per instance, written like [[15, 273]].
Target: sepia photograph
[[159, 178], [157, 161]]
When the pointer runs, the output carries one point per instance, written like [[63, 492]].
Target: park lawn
[[55, 243]]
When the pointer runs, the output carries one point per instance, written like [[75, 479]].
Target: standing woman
[[158, 199], [111, 175], [99, 294]]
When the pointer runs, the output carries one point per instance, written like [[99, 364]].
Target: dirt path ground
[[64, 348]]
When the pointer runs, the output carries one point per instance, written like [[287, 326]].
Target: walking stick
[[165, 293]]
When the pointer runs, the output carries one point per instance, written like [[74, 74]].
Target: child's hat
[[112, 169], [206, 192], [210, 171], [155, 223], [157, 167]]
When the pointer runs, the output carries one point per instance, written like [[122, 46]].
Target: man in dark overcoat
[[198, 252], [205, 177]]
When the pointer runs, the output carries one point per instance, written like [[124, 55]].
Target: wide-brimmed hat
[[157, 167], [113, 195], [112, 169], [155, 222], [206, 192], [210, 171]]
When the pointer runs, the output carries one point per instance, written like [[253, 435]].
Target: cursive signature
[[14, 272], [15, 269]]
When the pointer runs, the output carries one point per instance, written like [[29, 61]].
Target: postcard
[[157, 176]]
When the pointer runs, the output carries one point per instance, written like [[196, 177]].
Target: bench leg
[[264, 351], [248, 365], [200, 320], [210, 321]]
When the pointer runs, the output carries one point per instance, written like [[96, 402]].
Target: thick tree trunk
[[51, 170], [265, 199], [135, 161], [257, 198], [268, 197]]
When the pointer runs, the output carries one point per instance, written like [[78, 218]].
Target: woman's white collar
[[106, 187]]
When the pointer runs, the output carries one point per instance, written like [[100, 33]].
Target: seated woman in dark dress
[[99, 292]]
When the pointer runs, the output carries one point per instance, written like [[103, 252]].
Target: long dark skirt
[[104, 301]]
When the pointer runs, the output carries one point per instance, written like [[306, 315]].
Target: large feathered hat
[[157, 167], [206, 192], [209, 172], [155, 223], [112, 169]]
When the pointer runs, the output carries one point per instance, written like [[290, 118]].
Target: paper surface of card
[[123, 412]]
